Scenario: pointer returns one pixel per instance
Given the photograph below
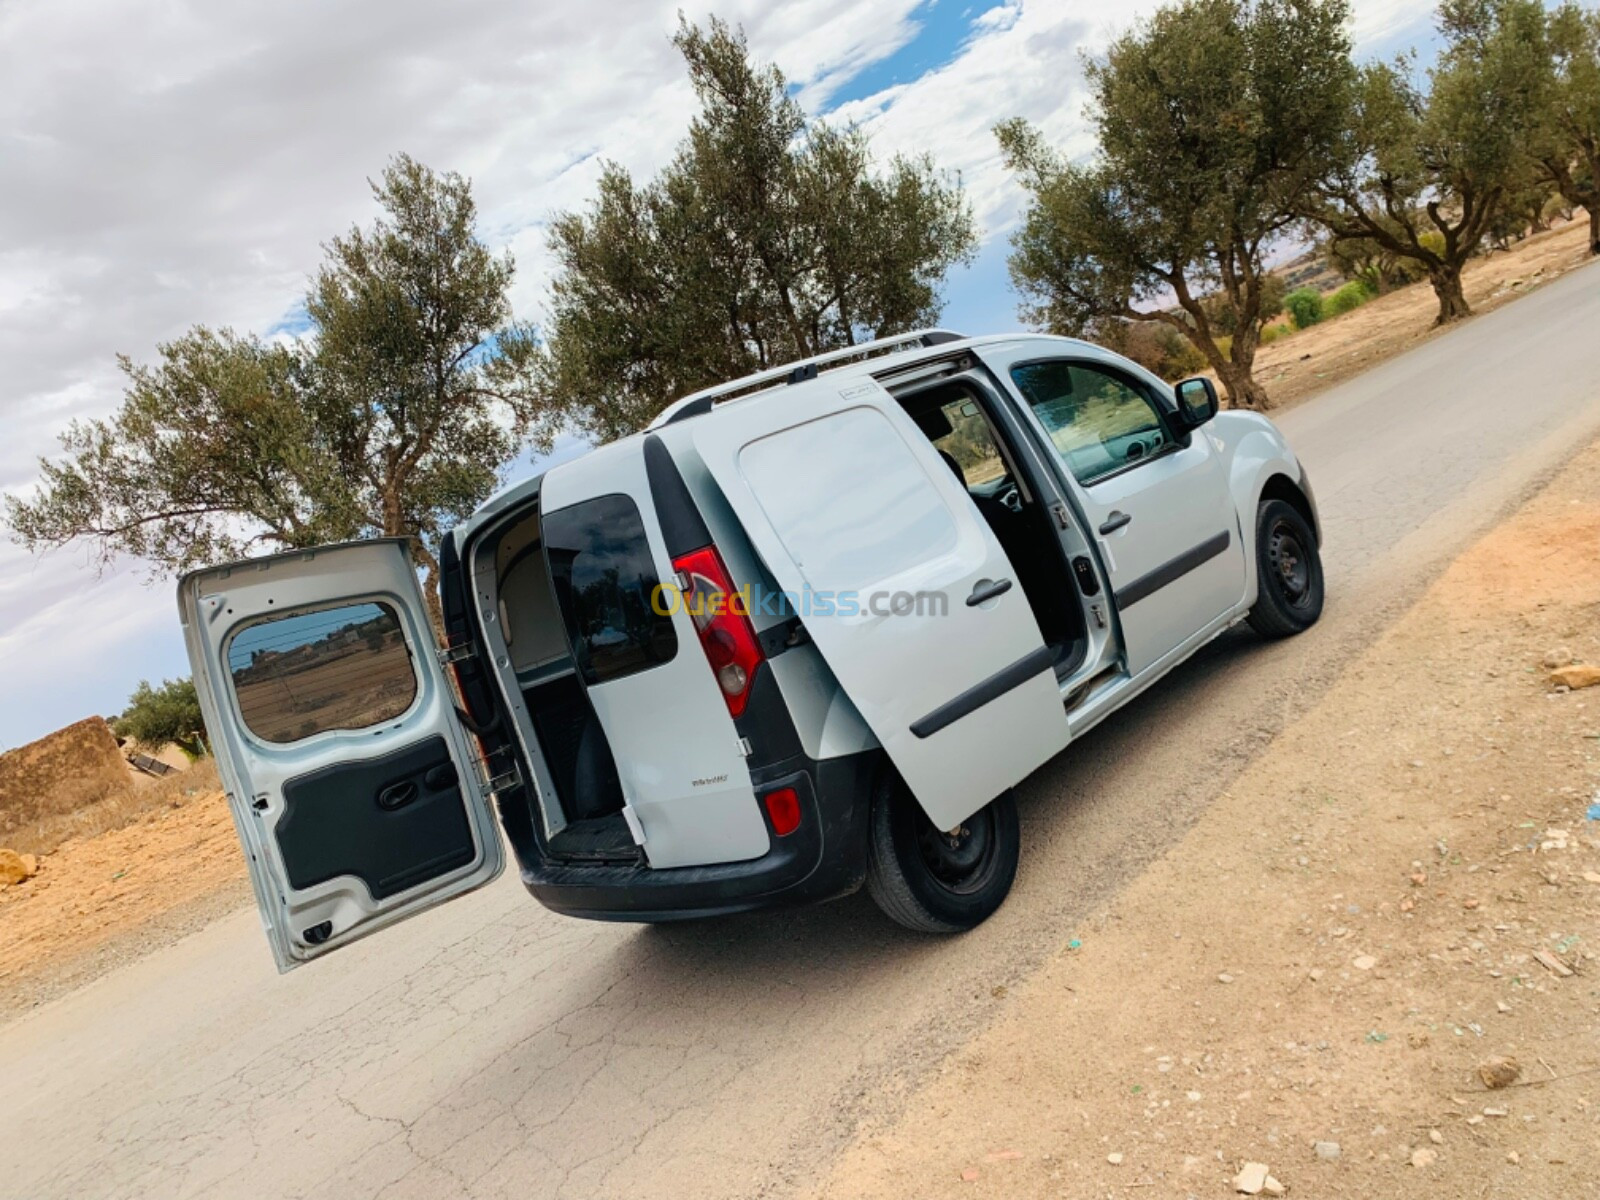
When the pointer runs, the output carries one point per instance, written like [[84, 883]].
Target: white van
[[804, 632]]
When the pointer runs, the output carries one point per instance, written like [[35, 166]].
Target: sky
[[165, 163]]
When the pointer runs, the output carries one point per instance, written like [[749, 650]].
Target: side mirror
[[1197, 402]]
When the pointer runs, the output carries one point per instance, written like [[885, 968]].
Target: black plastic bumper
[[824, 858]]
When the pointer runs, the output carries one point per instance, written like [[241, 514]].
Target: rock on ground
[[1251, 1179], [14, 867], [1580, 675]]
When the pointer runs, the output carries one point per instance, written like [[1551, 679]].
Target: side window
[[604, 576], [329, 668], [960, 431], [1098, 422]]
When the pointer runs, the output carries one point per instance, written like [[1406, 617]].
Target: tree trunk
[[1446, 281], [1242, 389], [1594, 227], [1237, 371], [430, 588]]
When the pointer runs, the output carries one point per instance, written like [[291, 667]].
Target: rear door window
[[605, 580], [310, 672]]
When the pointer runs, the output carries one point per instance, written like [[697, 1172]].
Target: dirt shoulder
[[102, 900], [1391, 894], [1297, 367]]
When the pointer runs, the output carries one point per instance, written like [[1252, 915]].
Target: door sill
[[1077, 692]]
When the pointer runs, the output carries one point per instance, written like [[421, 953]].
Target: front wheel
[[937, 880], [1288, 572]]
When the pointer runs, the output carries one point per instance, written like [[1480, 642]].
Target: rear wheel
[[1288, 572], [935, 880]]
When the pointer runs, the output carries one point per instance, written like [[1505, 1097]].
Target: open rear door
[[352, 784], [900, 582]]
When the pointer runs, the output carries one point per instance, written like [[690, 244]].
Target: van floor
[[597, 839]]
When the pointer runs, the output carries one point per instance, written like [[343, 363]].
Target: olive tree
[[768, 237], [390, 418], [1423, 174], [1569, 147], [1214, 119], [165, 715]]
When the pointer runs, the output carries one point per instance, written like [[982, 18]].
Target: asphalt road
[[492, 1048]]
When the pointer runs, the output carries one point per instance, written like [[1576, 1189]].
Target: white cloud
[[168, 162]]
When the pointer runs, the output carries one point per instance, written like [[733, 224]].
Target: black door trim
[[974, 698], [1169, 572]]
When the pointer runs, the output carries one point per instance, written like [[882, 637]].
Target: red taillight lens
[[783, 808], [724, 628]]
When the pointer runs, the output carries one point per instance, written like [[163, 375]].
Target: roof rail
[[800, 371]]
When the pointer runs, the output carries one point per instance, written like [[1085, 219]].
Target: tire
[[926, 881], [1289, 586]]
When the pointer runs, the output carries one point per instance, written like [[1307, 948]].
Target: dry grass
[[116, 809], [157, 865], [1295, 367]]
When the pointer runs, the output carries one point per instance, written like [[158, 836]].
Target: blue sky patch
[[943, 26]]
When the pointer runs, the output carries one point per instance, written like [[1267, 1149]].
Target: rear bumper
[[824, 858]]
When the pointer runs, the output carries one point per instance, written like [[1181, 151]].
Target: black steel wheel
[[940, 880], [1289, 589]]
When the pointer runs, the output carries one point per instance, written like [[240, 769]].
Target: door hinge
[[503, 782], [455, 654]]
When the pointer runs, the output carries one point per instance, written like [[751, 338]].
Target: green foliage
[[1568, 148], [1274, 291], [1223, 315], [1351, 296], [1214, 117], [1157, 347], [1377, 266], [1304, 306], [769, 237], [167, 715], [1441, 162], [391, 418], [1271, 333]]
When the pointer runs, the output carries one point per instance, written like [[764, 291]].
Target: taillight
[[783, 809], [725, 632]]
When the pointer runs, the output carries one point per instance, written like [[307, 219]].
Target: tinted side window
[[329, 668], [1098, 422], [604, 577]]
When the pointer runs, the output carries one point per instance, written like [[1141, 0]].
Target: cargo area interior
[[954, 415], [560, 719]]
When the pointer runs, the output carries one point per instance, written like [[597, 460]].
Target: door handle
[[987, 589], [397, 795], [1115, 521]]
